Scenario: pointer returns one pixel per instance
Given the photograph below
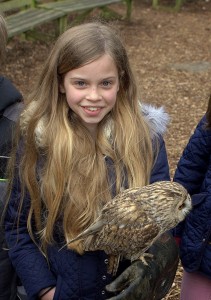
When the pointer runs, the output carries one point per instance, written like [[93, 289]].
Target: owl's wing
[[111, 214], [128, 228]]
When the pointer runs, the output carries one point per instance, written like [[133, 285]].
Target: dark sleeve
[[160, 171], [194, 162], [192, 169], [9, 94], [7, 133], [28, 261]]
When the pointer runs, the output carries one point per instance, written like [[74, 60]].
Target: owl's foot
[[142, 258], [113, 264]]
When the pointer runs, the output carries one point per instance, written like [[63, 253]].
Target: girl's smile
[[91, 90], [92, 111]]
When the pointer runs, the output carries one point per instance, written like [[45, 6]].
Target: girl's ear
[[61, 88]]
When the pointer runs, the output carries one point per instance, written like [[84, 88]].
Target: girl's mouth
[[92, 110]]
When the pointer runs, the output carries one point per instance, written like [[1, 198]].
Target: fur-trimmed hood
[[156, 118]]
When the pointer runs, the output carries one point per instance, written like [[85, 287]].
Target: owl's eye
[[181, 206]]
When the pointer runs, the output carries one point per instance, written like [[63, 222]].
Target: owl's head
[[183, 205], [174, 203]]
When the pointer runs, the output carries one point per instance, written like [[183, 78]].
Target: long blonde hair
[[62, 166]]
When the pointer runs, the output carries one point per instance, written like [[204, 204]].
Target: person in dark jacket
[[194, 234], [10, 108], [84, 137]]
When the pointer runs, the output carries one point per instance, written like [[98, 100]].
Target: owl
[[132, 221]]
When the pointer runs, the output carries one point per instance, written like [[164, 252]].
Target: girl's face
[[91, 90]]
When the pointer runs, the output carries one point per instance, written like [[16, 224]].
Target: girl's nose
[[93, 94]]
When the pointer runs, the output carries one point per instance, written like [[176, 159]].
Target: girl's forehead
[[102, 65]]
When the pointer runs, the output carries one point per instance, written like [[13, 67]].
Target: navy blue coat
[[10, 108], [75, 276], [194, 173]]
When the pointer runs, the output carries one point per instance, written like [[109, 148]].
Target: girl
[[83, 138], [194, 173]]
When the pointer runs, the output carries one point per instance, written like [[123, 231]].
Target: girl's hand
[[47, 294]]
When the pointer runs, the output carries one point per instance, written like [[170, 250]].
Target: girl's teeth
[[92, 108]]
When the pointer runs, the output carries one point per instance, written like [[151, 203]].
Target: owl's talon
[[142, 258]]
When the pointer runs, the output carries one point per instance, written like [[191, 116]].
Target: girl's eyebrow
[[110, 77], [75, 77], [83, 78]]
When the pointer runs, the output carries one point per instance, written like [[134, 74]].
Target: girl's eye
[[106, 83], [80, 83]]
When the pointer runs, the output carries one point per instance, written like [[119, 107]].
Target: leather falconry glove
[[152, 281]]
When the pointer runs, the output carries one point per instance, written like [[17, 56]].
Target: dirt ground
[[171, 55]]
